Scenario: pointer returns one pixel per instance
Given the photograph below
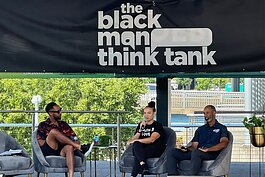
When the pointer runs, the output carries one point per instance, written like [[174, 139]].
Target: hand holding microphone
[[142, 125]]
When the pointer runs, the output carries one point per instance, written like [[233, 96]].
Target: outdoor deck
[[238, 169], [247, 160]]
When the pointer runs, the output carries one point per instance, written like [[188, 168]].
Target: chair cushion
[[128, 161], [151, 162], [14, 162], [185, 165], [60, 162]]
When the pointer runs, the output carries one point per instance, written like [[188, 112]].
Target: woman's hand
[[130, 142], [135, 137], [142, 124]]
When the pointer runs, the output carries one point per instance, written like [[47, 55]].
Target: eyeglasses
[[58, 111]]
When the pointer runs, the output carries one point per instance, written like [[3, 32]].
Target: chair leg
[[226, 175], [45, 174], [157, 175], [82, 174], [66, 174], [38, 174], [29, 175], [122, 174]]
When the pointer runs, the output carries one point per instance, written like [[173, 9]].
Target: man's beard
[[57, 118]]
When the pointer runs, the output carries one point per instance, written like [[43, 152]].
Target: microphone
[[143, 125], [206, 118]]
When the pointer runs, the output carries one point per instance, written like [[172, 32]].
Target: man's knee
[[53, 132], [196, 153], [173, 153]]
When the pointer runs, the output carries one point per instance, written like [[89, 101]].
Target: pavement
[[237, 169]]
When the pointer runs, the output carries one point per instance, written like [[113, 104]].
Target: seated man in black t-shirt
[[207, 143]]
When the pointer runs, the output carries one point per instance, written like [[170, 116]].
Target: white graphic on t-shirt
[[216, 130], [147, 132]]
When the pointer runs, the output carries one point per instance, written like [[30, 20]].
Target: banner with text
[[132, 37]]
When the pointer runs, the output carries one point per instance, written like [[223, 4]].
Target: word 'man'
[[127, 38]]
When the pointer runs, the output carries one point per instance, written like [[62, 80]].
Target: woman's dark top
[[149, 129]]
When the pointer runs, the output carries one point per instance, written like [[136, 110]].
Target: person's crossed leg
[[55, 139]]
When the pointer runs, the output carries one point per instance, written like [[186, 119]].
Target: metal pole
[[235, 84], [169, 103], [118, 137], [162, 100], [33, 122], [36, 100], [112, 136], [248, 94], [36, 116]]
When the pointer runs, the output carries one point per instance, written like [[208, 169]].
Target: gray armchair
[[20, 164], [218, 167], [155, 166], [55, 164]]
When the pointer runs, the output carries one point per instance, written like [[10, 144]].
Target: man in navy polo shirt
[[207, 143]]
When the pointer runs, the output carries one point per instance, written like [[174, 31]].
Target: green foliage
[[150, 80], [104, 140], [210, 83], [115, 94], [183, 82], [254, 121]]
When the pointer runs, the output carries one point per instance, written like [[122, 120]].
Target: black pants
[[196, 156], [143, 151]]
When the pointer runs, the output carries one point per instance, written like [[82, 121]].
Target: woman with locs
[[148, 140]]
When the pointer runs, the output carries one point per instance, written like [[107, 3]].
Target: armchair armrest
[[89, 150], [11, 143], [37, 153]]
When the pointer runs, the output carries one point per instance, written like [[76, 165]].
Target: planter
[[257, 136]]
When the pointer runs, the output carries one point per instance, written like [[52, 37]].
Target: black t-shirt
[[149, 129]]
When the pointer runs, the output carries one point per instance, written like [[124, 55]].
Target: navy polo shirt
[[208, 136]]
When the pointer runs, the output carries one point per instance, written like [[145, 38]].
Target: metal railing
[[193, 100], [243, 151], [33, 125]]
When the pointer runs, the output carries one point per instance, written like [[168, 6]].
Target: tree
[[183, 83], [115, 94], [211, 83]]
